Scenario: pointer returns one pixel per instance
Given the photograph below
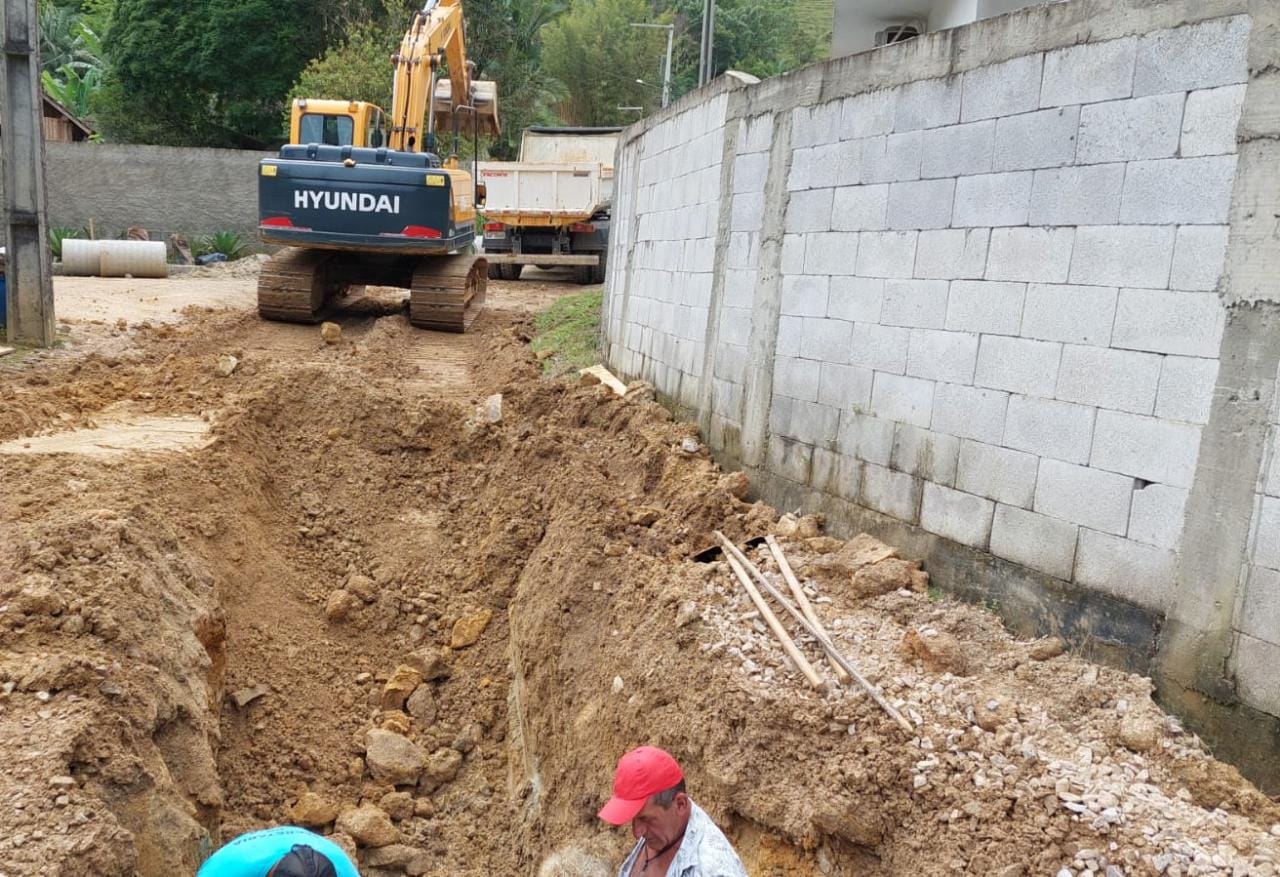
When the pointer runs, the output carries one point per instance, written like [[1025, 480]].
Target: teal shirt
[[253, 854]]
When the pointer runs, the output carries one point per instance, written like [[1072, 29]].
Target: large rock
[[432, 663], [399, 856], [393, 758], [363, 587], [467, 629], [1139, 733], [397, 805], [398, 688], [441, 768], [340, 604], [889, 575], [941, 652], [312, 810], [837, 568], [368, 826], [422, 705]]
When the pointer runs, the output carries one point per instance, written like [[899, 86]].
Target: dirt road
[[320, 584]]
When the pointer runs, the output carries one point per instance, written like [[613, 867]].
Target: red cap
[[641, 772]]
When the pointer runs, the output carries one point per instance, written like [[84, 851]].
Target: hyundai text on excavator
[[359, 197]]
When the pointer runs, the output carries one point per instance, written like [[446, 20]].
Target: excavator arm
[[417, 104]]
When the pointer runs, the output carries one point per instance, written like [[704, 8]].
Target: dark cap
[[303, 861]]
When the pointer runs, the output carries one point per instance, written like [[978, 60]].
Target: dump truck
[[551, 208], [362, 197]]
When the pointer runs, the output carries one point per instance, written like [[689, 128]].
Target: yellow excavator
[[362, 197]]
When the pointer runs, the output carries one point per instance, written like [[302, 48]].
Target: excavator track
[[293, 286], [448, 292]]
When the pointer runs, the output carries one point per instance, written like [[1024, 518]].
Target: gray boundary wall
[[1007, 296], [160, 188]]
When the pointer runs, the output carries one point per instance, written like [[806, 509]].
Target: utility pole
[[666, 67], [707, 51], [29, 312]]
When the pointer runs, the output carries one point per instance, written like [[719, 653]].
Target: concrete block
[[806, 211], [925, 454], [1141, 574], [748, 209], [848, 163], [804, 295], [985, 306], [1210, 120], [756, 134], [814, 424], [1199, 255], [735, 326], [867, 115], [739, 289], [1088, 73], [927, 103], [945, 254], [811, 168], [958, 150], [921, 204], [1132, 129], [960, 517], [1038, 255], [942, 356], [1259, 615], [1090, 497], [993, 199], [1019, 365], [866, 438], [883, 348], [750, 171], [902, 399], [970, 412], [827, 340], [1145, 447], [790, 332], [744, 250], [1002, 474], [1002, 89], [1075, 314], [1157, 515], [1118, 379], [1036, 140], [793, 246], [1266, 533], [831, 252], [915, 303], [1035, 541], [796, 378], [1254, 663], [814, 125], [790, 459], [886, 253], [891, 493], [1187, 323], [860, 208], [892, 159], [836, 474], [1194, 56], [1080, 195], [1177, 190], [1048, 428], [1119, 255], [857, 299], [1186, 389], [845, 387]]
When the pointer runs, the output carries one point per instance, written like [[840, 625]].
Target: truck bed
[[542, 194]]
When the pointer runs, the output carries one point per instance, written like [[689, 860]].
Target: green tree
[[596, 54], [213, 73], [357, 68]]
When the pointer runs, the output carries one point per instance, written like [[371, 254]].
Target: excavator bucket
[[484, 99]]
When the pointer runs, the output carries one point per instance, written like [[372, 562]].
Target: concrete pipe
[[114, 258]]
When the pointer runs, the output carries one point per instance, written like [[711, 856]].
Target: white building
[[865, 24]]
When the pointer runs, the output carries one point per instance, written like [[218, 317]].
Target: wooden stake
[[823, 639], [805, 606], [606, 377], [788, 644]]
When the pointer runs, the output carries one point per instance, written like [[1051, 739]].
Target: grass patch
[[567, 334]]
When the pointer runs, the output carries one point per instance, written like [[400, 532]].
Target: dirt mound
[[373, 607]]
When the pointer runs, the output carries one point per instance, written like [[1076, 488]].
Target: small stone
[[1047, 648], [340, 605], [690, 445], [786, 525], [645, 516], [391, 856], [490, 410], [687, 613], [392, 757], [242, 697], [737, 483], [994, 712], [332, 334], [312, 810], [397, 805], [62, 782], [442, 767], [423, 808], [227, 364], [368, 826], [433, 664], [919, 781], [809, 527], [346, 843], [422, 705], [363, 587], [403, 682], [469, 739], [1139, 734], [467, 629], [941, 653], [888, 575], [62, 800], [617, 684], [823, 545], [396, 722]]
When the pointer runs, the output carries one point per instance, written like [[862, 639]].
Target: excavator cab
[[337, 123]]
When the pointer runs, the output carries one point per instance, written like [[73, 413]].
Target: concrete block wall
[[973, 292]]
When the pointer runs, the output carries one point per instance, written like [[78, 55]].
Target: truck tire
[[495, 271], [512, 272]]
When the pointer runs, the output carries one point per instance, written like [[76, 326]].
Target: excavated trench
[[369, 605]]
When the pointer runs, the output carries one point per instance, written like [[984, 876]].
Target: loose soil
[[197, 641]]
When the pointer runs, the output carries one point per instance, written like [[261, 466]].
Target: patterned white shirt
[[704, 851]]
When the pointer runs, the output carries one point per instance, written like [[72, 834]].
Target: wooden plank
[[805, 606], [604, 376]]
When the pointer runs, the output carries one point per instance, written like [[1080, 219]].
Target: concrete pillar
[[29, 314]]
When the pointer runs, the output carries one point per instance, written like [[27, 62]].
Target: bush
[[57, 236], [226, 242]]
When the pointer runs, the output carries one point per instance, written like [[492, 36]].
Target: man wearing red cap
[[674, 836]]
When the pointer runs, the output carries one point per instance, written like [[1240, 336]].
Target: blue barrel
[[4, 302]]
